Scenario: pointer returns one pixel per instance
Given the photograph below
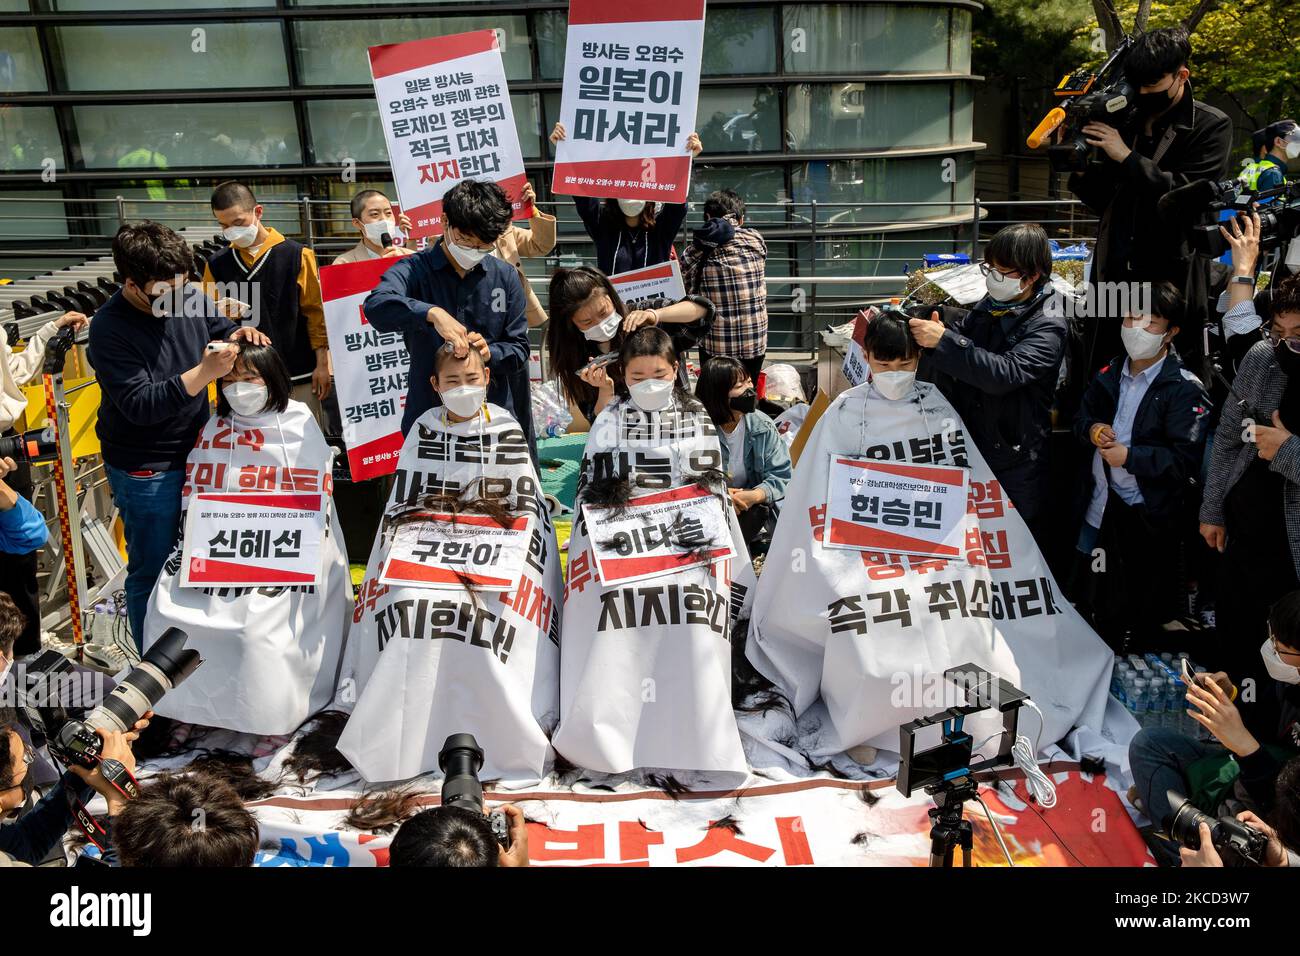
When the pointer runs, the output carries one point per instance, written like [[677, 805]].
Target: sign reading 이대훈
[[658, 534]]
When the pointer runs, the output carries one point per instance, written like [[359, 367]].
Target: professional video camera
[[1198, 205], [946, 772], [1238, 843], [72, 740], [40, 444], [1103, 96], [460, 760]]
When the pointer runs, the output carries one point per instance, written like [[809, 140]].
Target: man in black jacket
[[1175, 140], [998, 365], [1145, 415]]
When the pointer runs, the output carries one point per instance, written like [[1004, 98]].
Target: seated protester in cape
[[1143, 421], [589, 321], [754, 457], [456, 627], [646, 653], [907, 572], [272, 652]]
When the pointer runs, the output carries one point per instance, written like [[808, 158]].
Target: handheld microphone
[[386, 240]]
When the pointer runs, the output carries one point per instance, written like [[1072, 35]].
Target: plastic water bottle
[[1156, 704], [1138, 706], [1174, 704]]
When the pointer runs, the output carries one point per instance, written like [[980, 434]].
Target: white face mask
[[652, 394], [1001, 288], [893, 385], [375, 230], [467, 258], [631, 207], [245, 398], [241, 237], [1292, 148], [605, 329], [1277, 668], [1141, 344], [464, 400]]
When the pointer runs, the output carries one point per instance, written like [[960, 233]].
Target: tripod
[[949, 829]]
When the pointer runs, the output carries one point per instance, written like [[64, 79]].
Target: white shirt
[[735, 440], [1132, 389], [17, 369]]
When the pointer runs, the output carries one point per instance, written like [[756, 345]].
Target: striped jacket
[[1256, 394]]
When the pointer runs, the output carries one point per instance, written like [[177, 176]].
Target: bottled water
[[1156, 704], [1138, 705], [1174, 704]]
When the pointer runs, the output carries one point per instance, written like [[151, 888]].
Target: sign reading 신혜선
[[252, 539], [445, 109], [631, 85]]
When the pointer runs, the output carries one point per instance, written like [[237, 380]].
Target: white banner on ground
[[427, 664], [896, 508], [662, 281], [658, 534], [371, 368], [449, 551], [445, 108], [869, 632], [245, 538], [646, 670], [270, 652], [631, 85]]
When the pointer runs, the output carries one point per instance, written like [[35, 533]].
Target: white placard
[[661, 281], [436, 550], [243, 539], [896, 508]]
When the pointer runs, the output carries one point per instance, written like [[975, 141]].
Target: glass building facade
[[838, 103]]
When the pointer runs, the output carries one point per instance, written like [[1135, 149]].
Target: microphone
[[1045, 129], [386, 240]]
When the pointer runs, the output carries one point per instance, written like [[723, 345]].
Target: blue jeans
[[151, 517], [1158, 758]]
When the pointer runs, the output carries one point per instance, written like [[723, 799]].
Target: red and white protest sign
[[371, 368], [436, 550], [242, 538], [445, 108], [631, 82], [895, 507], [658, 534], [661, 281]]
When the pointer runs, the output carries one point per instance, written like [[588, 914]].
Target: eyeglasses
[[1273, 338], [987, 269]]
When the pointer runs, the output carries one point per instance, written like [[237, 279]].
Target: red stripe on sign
[[640, 275], [617, 569], [478, 521], [383, 453], [297, 502], [668, 170], [414, 571], [847, 532], [432, 211], [601, 11], [352, 278], [936, 476], [399, 57], [684, 493], [212, 571]]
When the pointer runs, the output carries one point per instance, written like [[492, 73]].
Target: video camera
[[460, 760], [1238, 843], [37, 445], [1198, 205], [1102, 96], [72, 740]]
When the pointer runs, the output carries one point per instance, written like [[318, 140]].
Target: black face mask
[[1290, 361], [745, 402], [1153, 104]]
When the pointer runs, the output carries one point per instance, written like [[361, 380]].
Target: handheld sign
[[658, 534], [897, 508], [252, 539], [436, 550], [661, 281], [446, 113]]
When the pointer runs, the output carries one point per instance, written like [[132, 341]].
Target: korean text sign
[[446, 113], [247, 539], [631, 82], [435, 550], [896, 508], [658, 534]]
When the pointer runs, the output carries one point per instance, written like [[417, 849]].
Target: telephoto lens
[[460, 760], [35, 446], [1235, 841]]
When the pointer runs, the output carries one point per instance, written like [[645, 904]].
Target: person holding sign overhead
[[646, 637], [259, 580], [457, 293], [456, 627], [589, 322], [630, 233]]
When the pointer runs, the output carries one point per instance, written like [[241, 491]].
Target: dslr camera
[[1238, 843], [460, 760], [1198, 206], [1085, 96]]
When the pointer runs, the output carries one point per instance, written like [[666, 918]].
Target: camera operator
[[1177, 140], [458, 837], [1237, 769], [1282, 839]]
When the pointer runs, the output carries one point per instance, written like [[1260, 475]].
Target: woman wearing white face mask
[[1248, 759], [1143, 417], [590, 321], [631, 233], [271, 654]]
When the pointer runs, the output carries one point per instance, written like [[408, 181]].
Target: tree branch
[[1143, 14], [1193, 19], [1108, 20]]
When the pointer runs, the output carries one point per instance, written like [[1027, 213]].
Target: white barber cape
[[645, 677], [871, 633], [270, 654], [427, 663]]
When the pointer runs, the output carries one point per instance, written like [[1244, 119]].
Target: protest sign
[[631, 82], [662, 281], [435, 550], [895, 507], [244, 538], [445, 109], [658, 534], [371, 368]]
